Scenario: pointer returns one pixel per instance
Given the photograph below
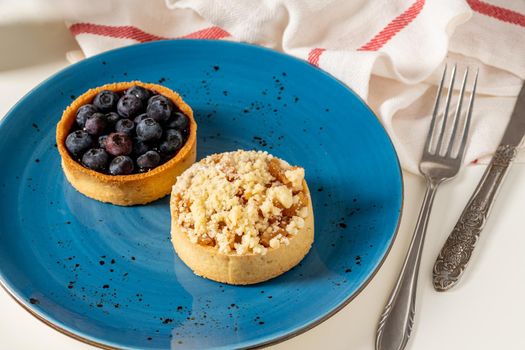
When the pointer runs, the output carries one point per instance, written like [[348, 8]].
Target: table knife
[[457, 251]]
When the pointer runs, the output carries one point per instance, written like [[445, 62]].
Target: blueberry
[[139, 147], [78, 142], [125, 125], [83, 113], [156, 98], [119, 143], [96, 159], [106, 100], [129, 106], [148, 160], [96, 124], [112, 118], [149, 129], [178, 121], [140, 92], [174, 134], [140, 118], [171, 146], [121, 165], [102, 141], [160, 108]]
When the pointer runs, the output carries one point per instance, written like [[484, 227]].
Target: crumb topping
[[241, 202]]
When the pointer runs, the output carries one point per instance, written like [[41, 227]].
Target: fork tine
[[463, 145], [457, 115], [445, 113], [431, 132]]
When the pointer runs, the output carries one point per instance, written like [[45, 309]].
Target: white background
[[484, 312]]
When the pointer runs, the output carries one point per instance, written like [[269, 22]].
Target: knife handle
[[455, 254]]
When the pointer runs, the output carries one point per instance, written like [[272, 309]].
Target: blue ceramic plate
[[108, 275]]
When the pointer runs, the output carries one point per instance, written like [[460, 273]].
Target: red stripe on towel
[[313, 56], [137, 34], [396, 25], [497, 12], [208, 33]]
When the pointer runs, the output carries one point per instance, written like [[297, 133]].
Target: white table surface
[[486, 311]]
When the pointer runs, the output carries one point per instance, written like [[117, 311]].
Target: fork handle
[[397, 319], [457, 251]]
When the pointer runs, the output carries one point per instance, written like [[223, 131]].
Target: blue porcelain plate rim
[[65, 329]]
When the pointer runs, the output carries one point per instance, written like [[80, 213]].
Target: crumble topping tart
[[241, 202]]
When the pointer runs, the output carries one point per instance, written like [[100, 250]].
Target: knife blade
[[459, 246], [516, 128]]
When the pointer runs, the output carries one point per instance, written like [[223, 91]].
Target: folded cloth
[[391, 53]]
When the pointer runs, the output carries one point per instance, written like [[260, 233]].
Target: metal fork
[[442, 156]]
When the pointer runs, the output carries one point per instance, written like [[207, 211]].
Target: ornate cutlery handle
[[397, 319], [458, 248]]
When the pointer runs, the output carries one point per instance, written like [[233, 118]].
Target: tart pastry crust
[[241, 217]]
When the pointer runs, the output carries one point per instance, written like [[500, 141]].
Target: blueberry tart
[[125, 143]]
